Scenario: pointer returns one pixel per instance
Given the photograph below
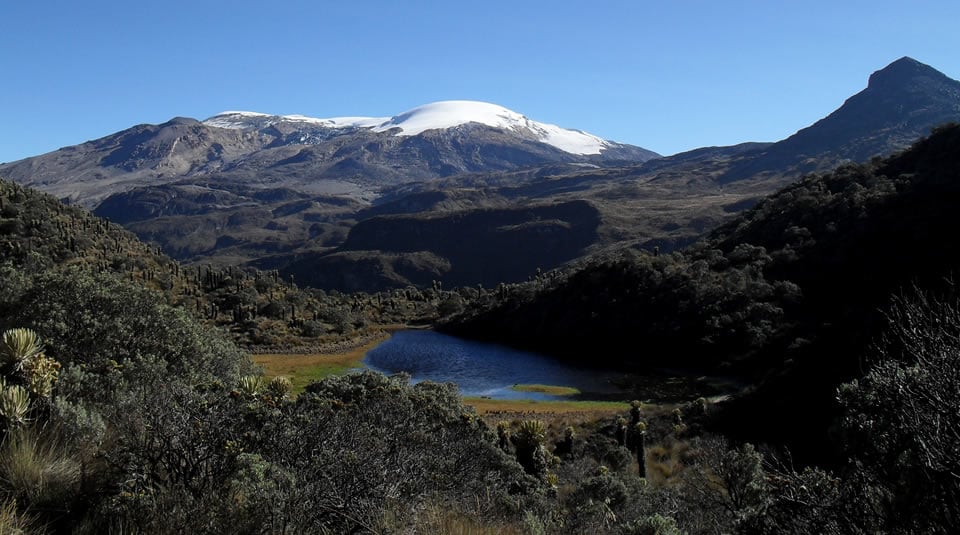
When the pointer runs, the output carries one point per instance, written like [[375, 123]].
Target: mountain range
[[351, 156], [360, 203]]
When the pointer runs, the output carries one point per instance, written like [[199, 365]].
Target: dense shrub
[[104, 324]]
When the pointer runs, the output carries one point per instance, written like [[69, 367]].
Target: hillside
[[39, 233], [788, 296], [464, 248], [122, 412], [258, 309], [900, 104]]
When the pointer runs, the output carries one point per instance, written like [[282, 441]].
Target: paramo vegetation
[[128, 407]]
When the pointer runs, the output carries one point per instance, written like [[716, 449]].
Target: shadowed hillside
[[465, 248], [789, 295]]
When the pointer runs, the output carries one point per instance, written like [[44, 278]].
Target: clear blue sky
[[669, 75]]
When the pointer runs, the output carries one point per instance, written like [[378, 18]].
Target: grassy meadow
[[303, 369]]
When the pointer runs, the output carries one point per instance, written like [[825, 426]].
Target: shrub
[[901, 419], [106, 324]]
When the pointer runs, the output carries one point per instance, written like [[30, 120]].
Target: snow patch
[[435, 116], [452, 113], [242, 120]]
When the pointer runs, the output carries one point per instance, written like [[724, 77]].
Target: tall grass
[[37, 470], [440, 521], [14, 523]]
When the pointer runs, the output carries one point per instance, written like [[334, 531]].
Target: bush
[[104, 324], [901, 419]]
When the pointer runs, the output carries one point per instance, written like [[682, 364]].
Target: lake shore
[[305, 365], [333, 347]]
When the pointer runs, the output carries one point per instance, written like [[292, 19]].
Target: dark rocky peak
[[180, 121], [906, 73], [901, 103]]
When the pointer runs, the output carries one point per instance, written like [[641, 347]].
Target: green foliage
[[260, 490], [104, 324], [811, 501], [729, 485], [349, 452], [530, 443], [701, 309]]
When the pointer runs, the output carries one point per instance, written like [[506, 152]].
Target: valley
[[305, 195], [575, 335]]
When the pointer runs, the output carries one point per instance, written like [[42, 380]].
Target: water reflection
[[480, 369]]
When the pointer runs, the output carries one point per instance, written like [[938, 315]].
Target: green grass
[[553, 390], [304, 369]]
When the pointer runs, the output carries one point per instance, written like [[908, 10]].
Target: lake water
[[479, 369]]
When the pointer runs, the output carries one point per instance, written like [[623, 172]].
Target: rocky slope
[[344, 156], [901, 103]]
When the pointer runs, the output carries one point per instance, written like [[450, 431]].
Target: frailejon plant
[[14, 404], [279, 387], [251, 385], [529, 441], [25, 362], [503, 436], [639, 447], [277, 390], [18, 347], [565, 445], [41, 373]]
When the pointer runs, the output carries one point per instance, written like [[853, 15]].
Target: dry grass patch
[[306, 368], [666, 461], [446, 522], [557, 415], [527, 407], [15, 523], [551, 390], [37, 470]]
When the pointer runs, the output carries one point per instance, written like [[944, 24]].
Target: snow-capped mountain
[[436, 116], [352, 156]]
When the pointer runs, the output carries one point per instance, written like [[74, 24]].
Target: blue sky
[[669, 76]]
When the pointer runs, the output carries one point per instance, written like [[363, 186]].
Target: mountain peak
[[901, 103], [440, 115], [904, 71], [451, 113]]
